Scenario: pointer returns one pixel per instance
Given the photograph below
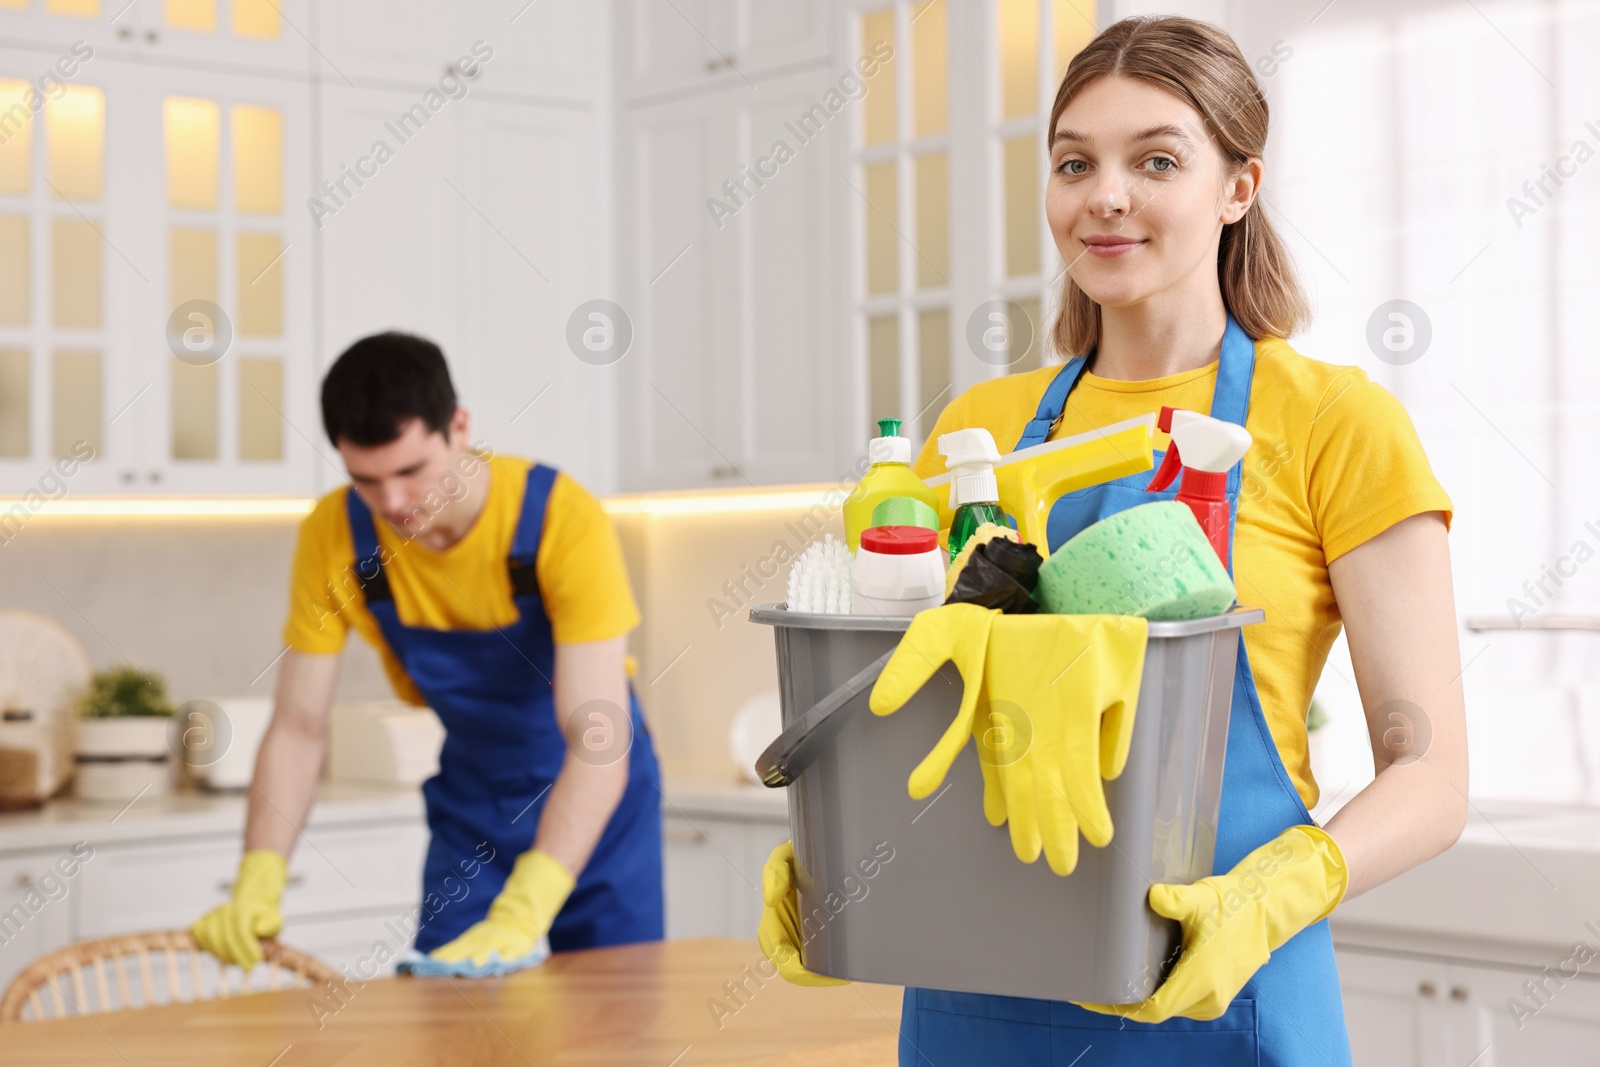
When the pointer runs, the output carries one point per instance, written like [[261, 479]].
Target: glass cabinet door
[[225, 337], [67, 247]]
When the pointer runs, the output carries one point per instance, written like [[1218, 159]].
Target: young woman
[[1179, 292]]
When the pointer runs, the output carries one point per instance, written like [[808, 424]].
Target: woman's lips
[[1110, 249]]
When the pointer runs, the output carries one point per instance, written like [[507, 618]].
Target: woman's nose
[[1111, 197]]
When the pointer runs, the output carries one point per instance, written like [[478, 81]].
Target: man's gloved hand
[[519, 917], [1056, 721], [952, 633], [1232, 922], [232, 931], [780, 931]]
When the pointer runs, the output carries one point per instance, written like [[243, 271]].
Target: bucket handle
[[796, 747]]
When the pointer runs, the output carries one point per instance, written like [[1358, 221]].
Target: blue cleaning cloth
[[425, 966]]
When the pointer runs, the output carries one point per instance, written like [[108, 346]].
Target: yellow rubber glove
[[527, 905], [953, 633], [780, 931], [1232, 922], [232, 931], [1060, 693]]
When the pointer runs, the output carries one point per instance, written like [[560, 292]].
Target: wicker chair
[[167, 966]]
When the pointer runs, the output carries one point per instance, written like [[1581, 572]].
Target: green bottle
[[970, 456]]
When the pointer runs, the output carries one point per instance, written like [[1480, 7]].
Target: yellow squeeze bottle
[[1033, 479], [890, 476]]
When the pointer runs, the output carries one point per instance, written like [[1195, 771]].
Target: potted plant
[[124, 722]]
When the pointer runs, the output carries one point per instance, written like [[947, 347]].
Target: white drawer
[[35, 907], [170, 884]]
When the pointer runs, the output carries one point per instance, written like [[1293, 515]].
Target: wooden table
[[656, 1005]]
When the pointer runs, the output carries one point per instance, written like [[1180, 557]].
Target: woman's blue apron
[[502, 751], [1290, 1014]]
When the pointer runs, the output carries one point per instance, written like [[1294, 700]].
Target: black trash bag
[[1002, 574]]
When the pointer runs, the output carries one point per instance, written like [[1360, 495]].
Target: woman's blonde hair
[[1202, 66]]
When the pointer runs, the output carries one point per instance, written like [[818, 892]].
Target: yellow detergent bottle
[[889, 476]]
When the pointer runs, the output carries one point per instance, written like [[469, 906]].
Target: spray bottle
[[971, 455], [1205, 450]]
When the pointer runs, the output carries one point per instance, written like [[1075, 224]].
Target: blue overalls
[[502, 751], [1290, 1014]]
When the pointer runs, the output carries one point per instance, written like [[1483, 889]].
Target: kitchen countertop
[[1521, 886], [67, 819], [648, 1005]]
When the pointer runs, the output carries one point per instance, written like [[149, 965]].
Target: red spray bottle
[[1204, 449]]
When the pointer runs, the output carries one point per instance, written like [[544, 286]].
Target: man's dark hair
[[382, 382]]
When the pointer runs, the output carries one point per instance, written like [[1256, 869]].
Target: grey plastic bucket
[[926, 892]]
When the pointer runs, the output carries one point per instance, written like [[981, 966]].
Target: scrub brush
[[819, 580]]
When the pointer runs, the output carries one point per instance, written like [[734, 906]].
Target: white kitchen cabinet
[[418, 39], [713, 872], [238, 418], [36, 24], [35, 910], [76, 282], [1414, 1011], [728, 289], [527, 202], [160, 195], [674, 279], [1392, 1009], [685, 45], [231, 35], [1564, 1026], [547, 48], [355, 873], [387, 259]]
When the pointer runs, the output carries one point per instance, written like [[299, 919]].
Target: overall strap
[[369, 563], [1051, 404], [1231, 400], [530, 528]]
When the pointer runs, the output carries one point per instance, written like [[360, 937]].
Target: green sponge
[[1152, 560]]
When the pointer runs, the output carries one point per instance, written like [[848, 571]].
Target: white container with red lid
[[898, 570]]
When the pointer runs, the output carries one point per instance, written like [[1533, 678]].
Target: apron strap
[[369, 564], [1054, 401], [1230, 401], [530, 528]]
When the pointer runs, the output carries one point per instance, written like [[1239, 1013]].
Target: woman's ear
[[1240, 192]]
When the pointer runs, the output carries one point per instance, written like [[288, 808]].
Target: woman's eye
[[1067, 166], [1171, 164]]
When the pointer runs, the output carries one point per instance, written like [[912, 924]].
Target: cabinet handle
[[129, 477], [227, 884], [1426, 989], [155, 477], [24, 880], [1459, 992], [152, 36], [724, 472], [124, 33], [720, 63]]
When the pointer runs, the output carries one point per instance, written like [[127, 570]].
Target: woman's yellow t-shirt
[[1335, 461], [580, 569]]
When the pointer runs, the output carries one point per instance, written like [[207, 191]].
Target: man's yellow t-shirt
[[582, 578], [1335, 461]]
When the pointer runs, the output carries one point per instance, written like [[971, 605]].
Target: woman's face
[[1138, 195]]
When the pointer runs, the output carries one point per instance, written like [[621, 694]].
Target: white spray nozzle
[[970, 455], [1208, 444]]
